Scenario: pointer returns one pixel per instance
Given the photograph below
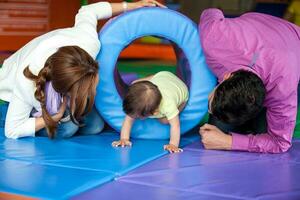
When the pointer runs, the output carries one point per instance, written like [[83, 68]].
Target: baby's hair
[[142, 99]]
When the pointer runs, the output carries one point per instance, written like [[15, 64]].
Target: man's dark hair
[[239, 98], [142, 99]]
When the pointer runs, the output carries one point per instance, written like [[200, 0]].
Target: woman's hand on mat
[[172, 148], [61, 110], [121, 143], [145, 3], [214, 138]]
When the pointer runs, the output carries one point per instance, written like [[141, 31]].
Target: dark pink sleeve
[[281, 104], [281, 124]]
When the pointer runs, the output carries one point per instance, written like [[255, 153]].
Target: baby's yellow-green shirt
[[174, 93]]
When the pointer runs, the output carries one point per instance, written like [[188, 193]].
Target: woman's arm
[[18, 122], [85, 34], [118, 8], [89, 15]]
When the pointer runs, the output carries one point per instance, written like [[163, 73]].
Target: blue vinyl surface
[[205, 174], [59, 169]]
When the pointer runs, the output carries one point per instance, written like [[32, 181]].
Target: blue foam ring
[[120, 32]]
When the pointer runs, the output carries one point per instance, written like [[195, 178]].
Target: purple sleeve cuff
[[240, 142]]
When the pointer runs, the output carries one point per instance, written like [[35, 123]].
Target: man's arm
[[281, 103], [281, 124]]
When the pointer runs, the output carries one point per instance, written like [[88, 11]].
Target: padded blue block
[[219, 174], [46, 181], [120, 32], [72, 165]]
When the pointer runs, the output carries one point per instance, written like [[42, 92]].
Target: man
[[256, 59]]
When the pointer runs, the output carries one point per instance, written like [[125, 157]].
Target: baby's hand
[[172, 148], [121, 143]]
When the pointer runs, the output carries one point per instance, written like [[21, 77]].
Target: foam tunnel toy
[[118, 33]]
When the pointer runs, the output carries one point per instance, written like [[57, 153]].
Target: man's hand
[[214, 138]]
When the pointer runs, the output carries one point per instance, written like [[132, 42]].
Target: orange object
[[6, 196], [21, 21], [147, 51]]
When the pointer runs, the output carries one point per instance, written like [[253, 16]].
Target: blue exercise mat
[[202, 174], [59, 169]]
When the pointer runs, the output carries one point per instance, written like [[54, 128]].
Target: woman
[[53, 78]]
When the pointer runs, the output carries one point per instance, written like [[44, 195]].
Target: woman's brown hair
[[72, 71]]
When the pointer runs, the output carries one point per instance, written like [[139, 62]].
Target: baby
[[162, 96]]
